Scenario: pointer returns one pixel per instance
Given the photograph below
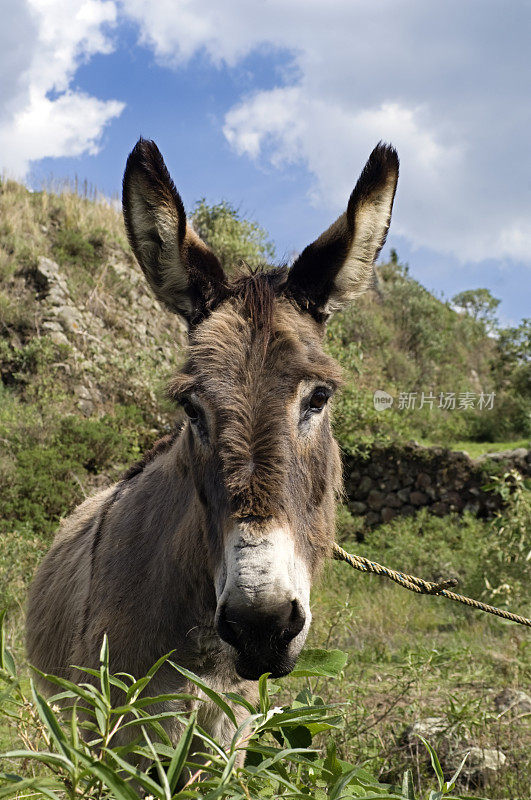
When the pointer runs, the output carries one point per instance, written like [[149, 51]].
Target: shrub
[[80, 758]]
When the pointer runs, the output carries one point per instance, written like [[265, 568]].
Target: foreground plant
[[75, 752]]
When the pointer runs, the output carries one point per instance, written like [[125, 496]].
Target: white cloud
[[445, 82], [42, 115]]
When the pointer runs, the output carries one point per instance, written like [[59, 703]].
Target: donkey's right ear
[[182, 271]]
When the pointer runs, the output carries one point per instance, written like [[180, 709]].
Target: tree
[[232, 238], [479, 303]]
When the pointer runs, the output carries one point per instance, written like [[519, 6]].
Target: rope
[[421, 586]]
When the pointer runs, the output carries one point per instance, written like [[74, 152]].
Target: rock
[[392, 501], [372, 518], [375, 469], [439, 508], [403, 495], [50, 325], [423, 480], [454, 500], [387, 514], [481, 764], [520, 452], [392, 484], [514, 700], [47, 269], [418, 498], [375, 499], [70, 319], [407, 510], [82, 392], [357, 507], [365, 485], [58, 338], [428, 727], [86, 406]]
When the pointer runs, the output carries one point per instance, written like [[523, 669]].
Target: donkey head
[[256, 388]]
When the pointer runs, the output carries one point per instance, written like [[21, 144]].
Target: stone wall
[[391, 480]]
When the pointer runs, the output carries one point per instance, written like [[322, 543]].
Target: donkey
[[209, 546]]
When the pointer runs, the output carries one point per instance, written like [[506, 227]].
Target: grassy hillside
[[402, 339], [85, 353]]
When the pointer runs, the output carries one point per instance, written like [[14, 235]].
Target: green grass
[[475, 449], [409, 656]]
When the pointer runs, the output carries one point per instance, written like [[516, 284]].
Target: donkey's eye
[[191, 411], [319, 399]]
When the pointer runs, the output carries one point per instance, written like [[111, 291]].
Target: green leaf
[[178, 759], [434, 761], [44, 786], [214, 696], [408, 790], [44, 756], [331, 764], [114, 681], [6, 659], [299, 736], [110, 778], [241, 701], [265, 702], [104, 670], [85, 691], [320, 664], [163, 778], [48, 717], [456, 774]]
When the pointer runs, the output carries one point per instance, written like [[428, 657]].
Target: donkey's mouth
[[251, 668]]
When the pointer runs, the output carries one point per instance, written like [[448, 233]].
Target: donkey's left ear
[[338, 266]]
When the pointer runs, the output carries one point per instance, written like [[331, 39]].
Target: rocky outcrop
[[478, 765], [398, 479], [117, 340]]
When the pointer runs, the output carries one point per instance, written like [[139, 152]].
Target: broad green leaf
[[298, 736], [320, 663]]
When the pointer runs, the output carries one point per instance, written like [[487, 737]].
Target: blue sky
[[276, 105]]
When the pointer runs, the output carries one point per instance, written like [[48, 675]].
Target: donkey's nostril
[[229, 629], [253, 627], [296, 621]]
